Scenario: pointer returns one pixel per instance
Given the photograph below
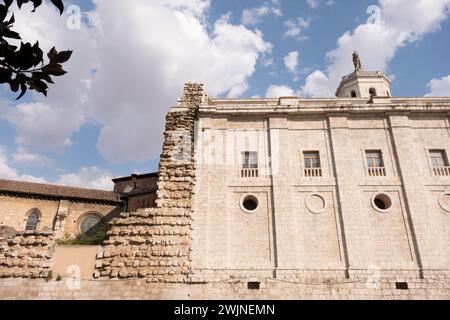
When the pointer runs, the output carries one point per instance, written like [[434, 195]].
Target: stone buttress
[[155, 243]]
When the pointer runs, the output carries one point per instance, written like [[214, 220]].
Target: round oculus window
[[382, 202], [249, 204], [90, 224], [444, 201], [315, 203]]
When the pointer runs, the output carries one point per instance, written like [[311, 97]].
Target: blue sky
[[131, 58]]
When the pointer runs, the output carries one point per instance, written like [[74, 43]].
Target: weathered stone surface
[[155, 243], [26, 255]]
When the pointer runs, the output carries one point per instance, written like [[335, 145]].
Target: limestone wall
[[329, 222], [67, 214], [15, 211], [27, 255], [435, 286]]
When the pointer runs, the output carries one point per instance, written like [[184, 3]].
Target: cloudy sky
[[105, 118]]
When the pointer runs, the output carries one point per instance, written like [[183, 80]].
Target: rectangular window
[[375, 164], [249, 164], [439, 162], [312, 164]]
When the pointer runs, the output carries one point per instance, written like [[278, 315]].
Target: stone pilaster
[[61, 218]]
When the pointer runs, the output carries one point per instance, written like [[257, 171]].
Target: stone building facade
[[286, 187], [137, 191], [345, 197], [66, 211]]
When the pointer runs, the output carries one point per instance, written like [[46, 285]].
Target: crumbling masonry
[[26, 255], [155, 243]]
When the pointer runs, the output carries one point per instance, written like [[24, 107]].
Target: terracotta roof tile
[[39, 189]]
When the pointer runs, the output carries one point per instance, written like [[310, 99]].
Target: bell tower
[[364, 84]]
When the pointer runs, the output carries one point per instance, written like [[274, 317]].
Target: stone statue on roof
[[357, 61]]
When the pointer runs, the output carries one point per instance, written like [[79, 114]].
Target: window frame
[[379, 152], [316, 152], [38, 214], [86, 215], [384, 170], [443, 153], [443, 171], [246, 162]]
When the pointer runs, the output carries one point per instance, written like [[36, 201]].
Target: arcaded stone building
[[67, 211]]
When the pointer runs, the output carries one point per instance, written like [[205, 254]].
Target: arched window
[[373, 92], [353, 94], [32, 221], [90, 223]]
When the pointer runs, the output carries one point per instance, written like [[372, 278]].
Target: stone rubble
[[27, 255]]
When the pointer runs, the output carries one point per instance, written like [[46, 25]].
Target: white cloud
[[295, 28], [23, 156], [279, 91], [142, 54], [291, 61], [9, 173], [43, 125], [314, 85], [267, 62], [439, 87], [194, 7], [88, 177], [237, 91], [402, 22], [313, 3], [254, 16]]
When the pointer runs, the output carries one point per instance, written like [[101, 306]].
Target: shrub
[[94, 238]]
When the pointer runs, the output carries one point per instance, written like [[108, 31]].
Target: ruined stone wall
[[26, 255], [155, 243]]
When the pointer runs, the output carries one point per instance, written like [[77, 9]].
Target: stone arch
[[32, 219], [83, 224]]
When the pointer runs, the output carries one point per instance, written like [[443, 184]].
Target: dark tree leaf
[[23, 88], [11, 34], [12, 19], [54, 69], [5, 75], [3, 12], [59, 4], [42, 76], [38, 85], [64, 56], [14, 84], [19, 66], [8, 3], [52, 55]]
